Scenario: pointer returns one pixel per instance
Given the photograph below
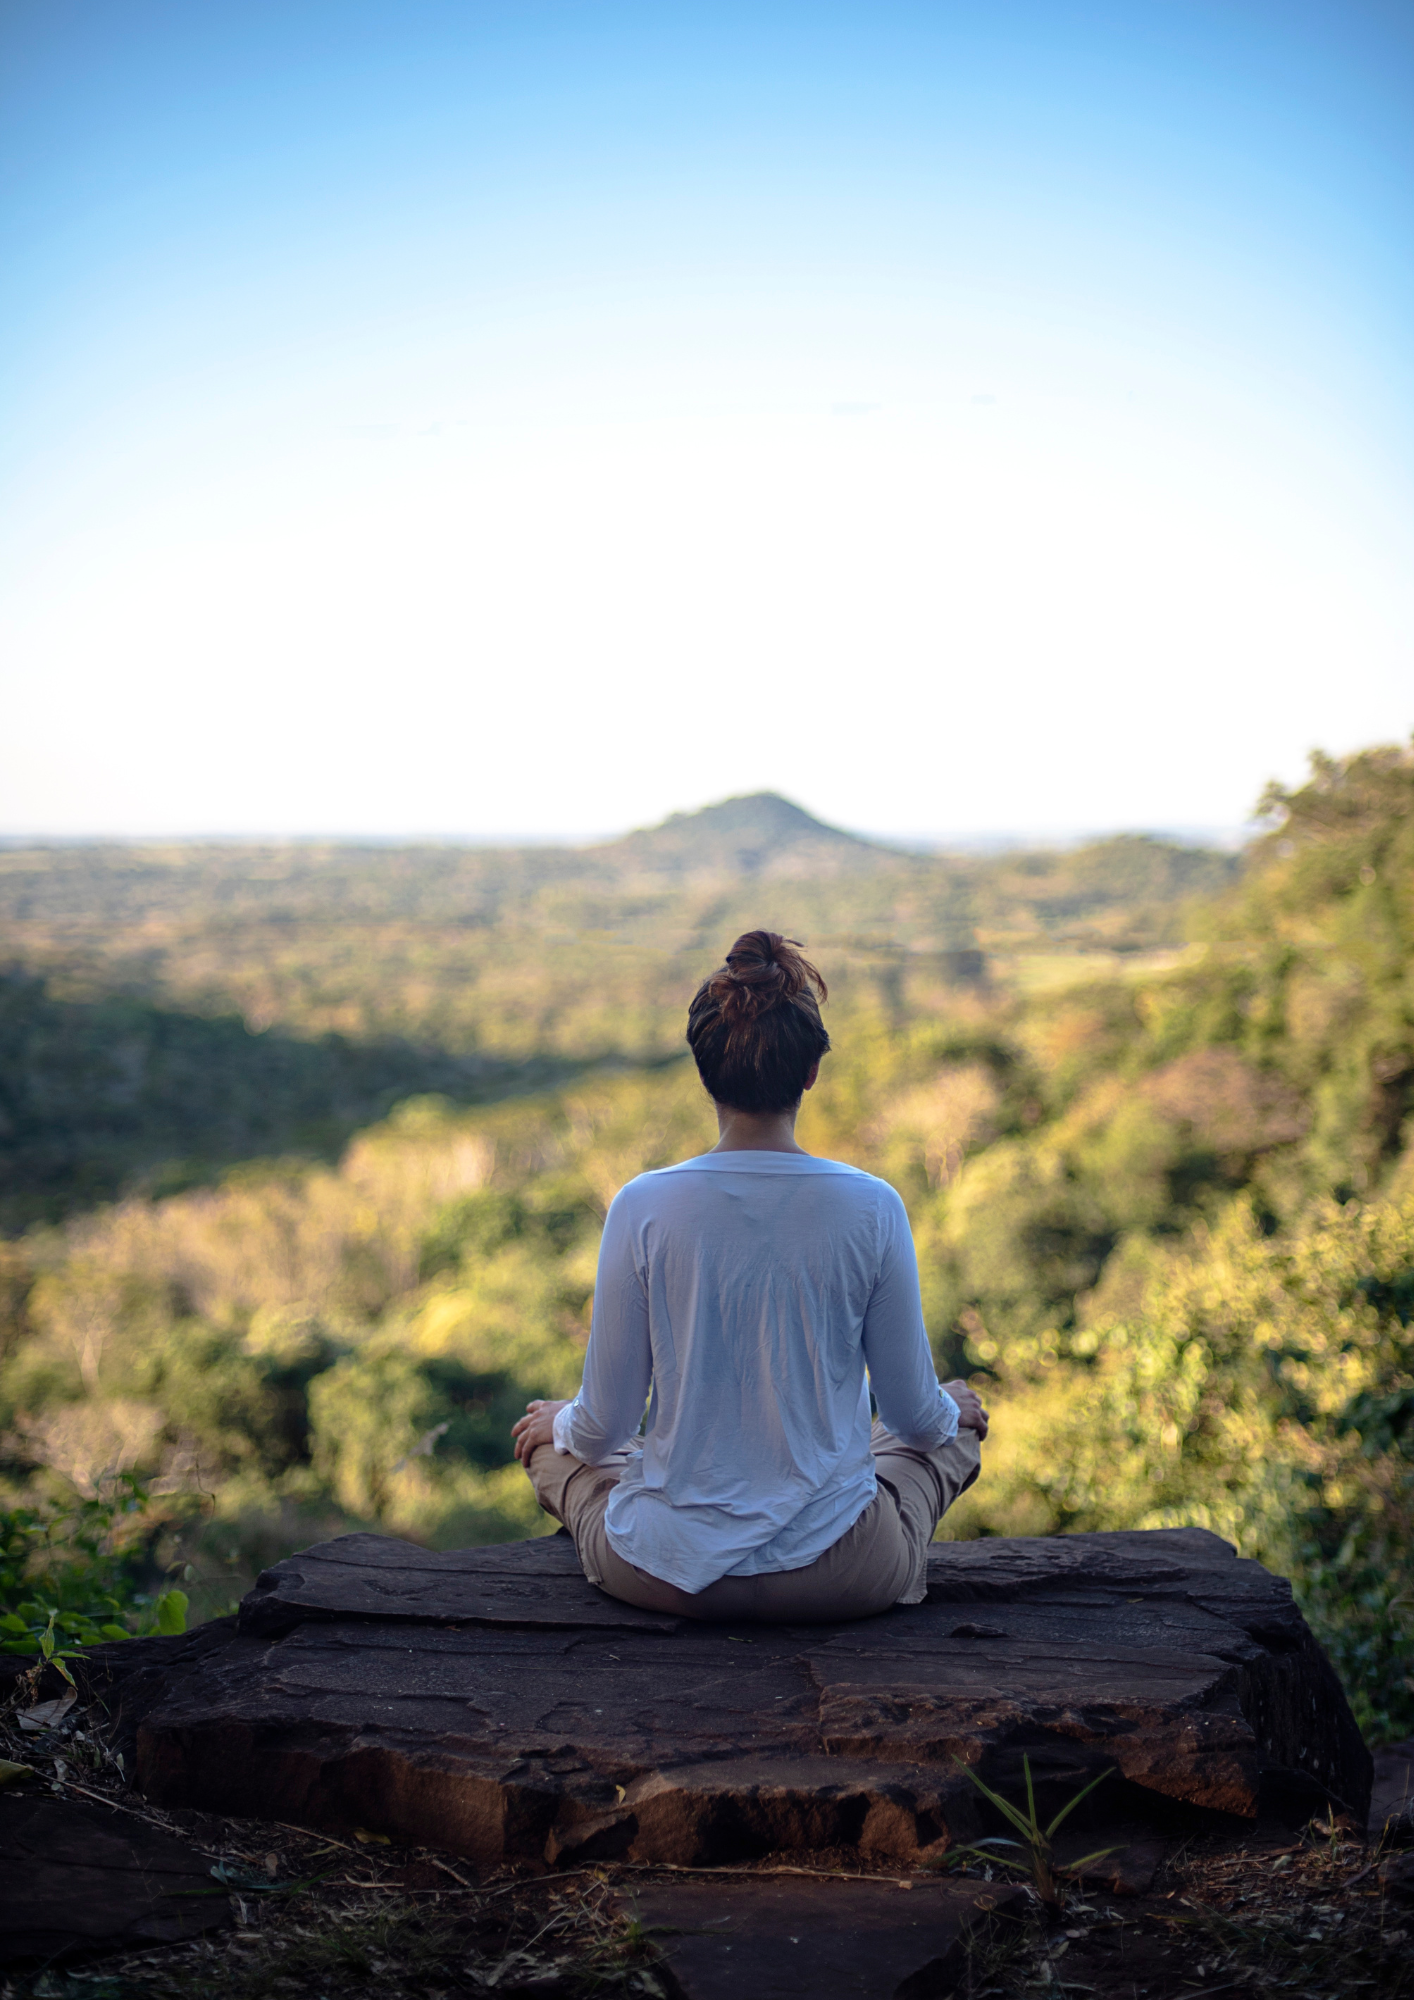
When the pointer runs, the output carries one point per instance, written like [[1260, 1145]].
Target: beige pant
[[881, 1560]]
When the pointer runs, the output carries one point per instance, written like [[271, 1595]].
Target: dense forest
[[307, 1151], [164, 1013]]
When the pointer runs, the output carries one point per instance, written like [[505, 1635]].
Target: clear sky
[[532, 418]]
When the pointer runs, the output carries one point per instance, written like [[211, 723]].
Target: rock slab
[[373, 1576], [778, 1940], [80, 1880], [1392, 1797], [494, 1704]]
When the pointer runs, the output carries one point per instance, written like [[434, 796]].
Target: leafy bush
[[72, 1577], [1263, 1387]]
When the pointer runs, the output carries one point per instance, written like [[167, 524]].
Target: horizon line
[[1228, 838]]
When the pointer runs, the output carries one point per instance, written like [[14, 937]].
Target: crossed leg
[[881, 1560]]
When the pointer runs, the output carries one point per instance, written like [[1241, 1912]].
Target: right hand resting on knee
[[970, 1414], [536, 1427]]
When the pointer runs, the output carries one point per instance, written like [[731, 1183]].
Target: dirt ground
[[1240, 1914]]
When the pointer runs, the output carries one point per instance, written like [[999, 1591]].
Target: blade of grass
[[1066, 1810], [1023, 1826], [985, 1854], [223, 1887], [1074, 1867]]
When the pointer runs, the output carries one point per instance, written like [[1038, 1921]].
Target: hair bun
[[763, 970], [754, 1026]]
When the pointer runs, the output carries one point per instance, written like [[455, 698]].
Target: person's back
[[750, 1290], [758, 1274]]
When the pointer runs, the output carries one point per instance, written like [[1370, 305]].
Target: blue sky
[[531, 419]]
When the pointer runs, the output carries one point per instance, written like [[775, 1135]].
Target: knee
[[547, 1469], [540, 1463]]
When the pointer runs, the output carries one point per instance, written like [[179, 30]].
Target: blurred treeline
[[165, 1012], [308, 1151]]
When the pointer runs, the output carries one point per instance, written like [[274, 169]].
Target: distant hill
[[758, 835], [166, 1010]]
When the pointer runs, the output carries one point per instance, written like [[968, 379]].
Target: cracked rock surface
[[492, 1703]]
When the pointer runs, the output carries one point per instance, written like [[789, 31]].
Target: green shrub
[[1264, 1388], [73, 1576]]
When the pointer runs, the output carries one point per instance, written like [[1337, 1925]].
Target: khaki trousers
[[881, 1560]]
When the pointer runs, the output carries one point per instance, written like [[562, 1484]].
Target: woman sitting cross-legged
[[753, 1298]]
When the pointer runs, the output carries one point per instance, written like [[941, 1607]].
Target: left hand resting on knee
[[970, 1414]]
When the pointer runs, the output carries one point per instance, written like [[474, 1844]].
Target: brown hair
[[754, 1026]]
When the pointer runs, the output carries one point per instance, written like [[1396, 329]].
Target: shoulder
[[647, 1191], [867, 1192], [632, 1194], [869, 1187], [689, 1177], [884, 1203]]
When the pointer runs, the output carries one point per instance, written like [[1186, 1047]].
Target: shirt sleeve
[[618, 1367], [912, 1402]]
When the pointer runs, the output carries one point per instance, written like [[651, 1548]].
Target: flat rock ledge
[[80, 1880], [492, 1703]]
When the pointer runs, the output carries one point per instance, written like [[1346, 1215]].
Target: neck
[[756, 1131]]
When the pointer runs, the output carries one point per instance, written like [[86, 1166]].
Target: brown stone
[[1392, 1797], [1166, 1721], [81, 1879], [781, 1939], [1126, 1857], [540, 1730], [371, 1576]]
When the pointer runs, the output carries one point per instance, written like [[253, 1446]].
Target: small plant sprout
[[1035, 1856], [52, 1653]]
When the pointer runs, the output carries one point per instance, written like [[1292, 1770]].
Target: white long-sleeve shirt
[[751, 1291]]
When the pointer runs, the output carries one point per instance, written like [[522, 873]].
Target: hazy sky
[[531, 418]]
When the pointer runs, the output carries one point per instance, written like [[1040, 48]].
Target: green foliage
[[477, 1225], [1263, 1387], [1161, 1197], [1035, 1853], [72, 1577], [375, 1415], [1329, 906], [114, 1092], [170, 1010]]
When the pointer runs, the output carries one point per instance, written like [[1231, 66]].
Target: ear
[[811, 1076]]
